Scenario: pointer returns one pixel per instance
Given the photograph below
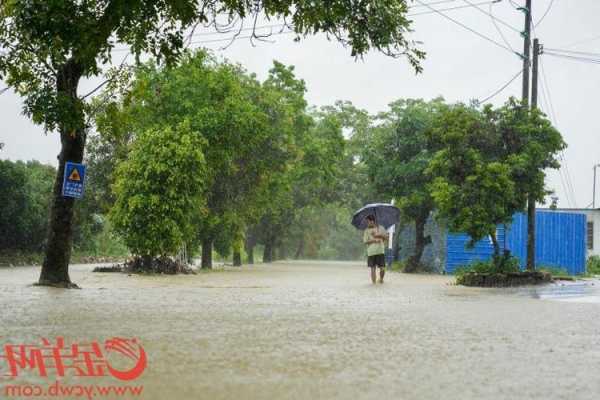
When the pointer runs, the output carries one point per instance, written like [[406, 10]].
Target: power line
[[468, 28], [585, 53], [566, 182], [588, 40], [567, 173], [284, 32], [500, 31], [4, 90], [546, 13], [492, 16], [250, 28], [575, 58], [452, 8], [434, 3], [498, 91], [271, 26], [240, 37], [227, 39], [591, 60], [563, 183], [515, 5], [283, 25], [483, 3]]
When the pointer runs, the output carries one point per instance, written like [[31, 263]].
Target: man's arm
[[382, 236], [366, 239]]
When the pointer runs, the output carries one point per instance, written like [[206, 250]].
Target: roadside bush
[[593, 265], [398, 266], [497, 265]]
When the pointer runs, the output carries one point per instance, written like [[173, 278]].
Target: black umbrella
[[385, 215]]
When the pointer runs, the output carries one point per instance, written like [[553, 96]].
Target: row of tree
[[48, 47], [203, 154]]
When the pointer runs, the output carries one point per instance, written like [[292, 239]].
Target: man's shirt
[[378, 247]]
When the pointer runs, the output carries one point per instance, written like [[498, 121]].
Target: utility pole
[[594, 187], [534, 72], [526, 51], [525, 99], [530, 197]]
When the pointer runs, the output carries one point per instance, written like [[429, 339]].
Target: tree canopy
[[47, 47]]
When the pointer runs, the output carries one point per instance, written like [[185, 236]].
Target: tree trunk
[[396, 244], [300, 250], [237, 251], [55, 268], [414, 262], [282, 252], [268, 252], [249, 244], [250, 254], [206, 253], [237, 258], [530, 233], [495, 243]]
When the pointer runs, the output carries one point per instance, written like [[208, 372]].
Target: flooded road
[[318, 330]]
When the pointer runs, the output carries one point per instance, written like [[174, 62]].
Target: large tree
[[159, 190], [47, 47], [531, 146], [490, 161], [398, 156], [472, 188]]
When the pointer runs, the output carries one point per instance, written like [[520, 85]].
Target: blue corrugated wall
[[560, 242]]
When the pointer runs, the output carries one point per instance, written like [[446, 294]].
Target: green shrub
[[497, 265], [398, 266], [593, 265]]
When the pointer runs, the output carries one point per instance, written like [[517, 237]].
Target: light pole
[[594, 187]]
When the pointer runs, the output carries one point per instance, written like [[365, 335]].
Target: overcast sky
[[460, 66]]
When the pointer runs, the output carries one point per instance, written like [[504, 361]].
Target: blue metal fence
[[560, 243]]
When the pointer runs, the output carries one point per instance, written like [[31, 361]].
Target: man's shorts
[[378, 260]]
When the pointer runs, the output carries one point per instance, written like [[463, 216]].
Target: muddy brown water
[[319, 330]]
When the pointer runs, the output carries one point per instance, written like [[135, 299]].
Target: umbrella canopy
[[386, 215]]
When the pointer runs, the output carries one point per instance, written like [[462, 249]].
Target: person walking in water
[[374, 238]]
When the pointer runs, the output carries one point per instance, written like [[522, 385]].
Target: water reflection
[[579, 292]]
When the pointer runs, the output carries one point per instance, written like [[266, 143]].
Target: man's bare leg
[[381, 274], [373, 275]]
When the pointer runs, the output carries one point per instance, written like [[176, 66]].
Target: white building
[[593, 227]]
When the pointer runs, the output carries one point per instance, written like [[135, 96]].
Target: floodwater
[[587, 291], [318, 330]]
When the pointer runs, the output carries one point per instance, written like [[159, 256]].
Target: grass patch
[[398, 266]]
